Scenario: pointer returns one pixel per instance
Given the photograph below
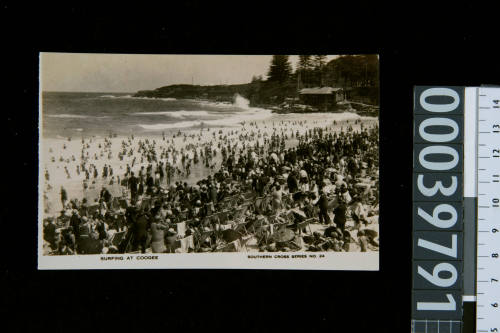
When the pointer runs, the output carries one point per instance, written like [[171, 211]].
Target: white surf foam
[[214, 104], [174, 114], [75, 116], [238, 101], [241, 102], [132, 97], [181, 124], [331, 116], [249, 114], [66, 116]]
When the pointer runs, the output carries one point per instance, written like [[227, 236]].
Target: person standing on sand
[[158, 236], [323, 209], [101, 229], [105, 196], [340, 214], [49, 232], [141, 231], [292, 183], [74, 223], [213, 192], [277, 195], [64, 196], [149, 183], [358, 212], [140, 190], [132, 185]]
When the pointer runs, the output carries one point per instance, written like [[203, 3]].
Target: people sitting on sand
[[324, 176]]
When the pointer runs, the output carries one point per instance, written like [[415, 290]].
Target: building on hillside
[[324, 98]]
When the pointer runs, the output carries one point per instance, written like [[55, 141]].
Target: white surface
[[468, 298], [488, 268], [470, 144], [360, 261]]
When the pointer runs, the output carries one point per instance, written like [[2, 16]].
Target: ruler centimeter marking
[[488, 236]]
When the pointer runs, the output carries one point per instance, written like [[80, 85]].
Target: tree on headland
[[311, 69], [304, 69], [256, 78], [280, 69], [319, 62], [353, 71], [357, 74], [305, 62]]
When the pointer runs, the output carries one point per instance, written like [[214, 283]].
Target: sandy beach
[[61, 154]]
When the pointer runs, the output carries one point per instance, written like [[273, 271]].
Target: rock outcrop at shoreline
[[216, 93], [226, 93]]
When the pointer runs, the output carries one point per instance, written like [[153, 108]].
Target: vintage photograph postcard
[[208, 161]]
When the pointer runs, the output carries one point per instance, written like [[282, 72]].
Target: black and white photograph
[[250, 167], [208, 161]]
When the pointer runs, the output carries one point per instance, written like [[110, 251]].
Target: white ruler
[[488, 211]]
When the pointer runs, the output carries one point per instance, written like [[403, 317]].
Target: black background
[[417, 46]]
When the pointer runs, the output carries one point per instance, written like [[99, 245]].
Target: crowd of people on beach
[[320, 194]]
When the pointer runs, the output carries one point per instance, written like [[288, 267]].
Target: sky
[[90, 72]]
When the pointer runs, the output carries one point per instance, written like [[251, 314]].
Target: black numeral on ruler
[[437, 209]]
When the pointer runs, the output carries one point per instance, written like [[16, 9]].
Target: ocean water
[[69, 114]]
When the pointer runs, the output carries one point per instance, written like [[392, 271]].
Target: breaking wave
[[248, 115], [167, 99], [234, 120], [75, 116], [174, 114], [332, 116], [181, 124], [67, 116], [241, 102], [238, 101], [214, 104]]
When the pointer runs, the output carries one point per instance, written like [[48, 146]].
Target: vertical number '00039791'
[[438, 165]]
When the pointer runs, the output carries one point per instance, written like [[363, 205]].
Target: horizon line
[[80, 91], [133, 92]]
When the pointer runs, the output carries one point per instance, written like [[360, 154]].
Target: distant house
[[323, 98]]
